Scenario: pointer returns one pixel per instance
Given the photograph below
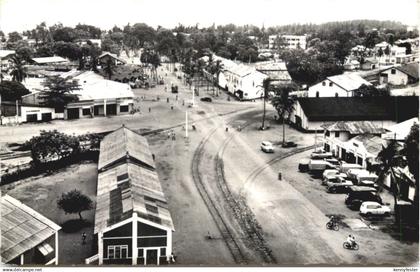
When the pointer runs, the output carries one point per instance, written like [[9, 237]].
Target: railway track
[[261, 168], [241, 211], [228, 237]]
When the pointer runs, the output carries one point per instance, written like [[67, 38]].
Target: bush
[[52, 146]]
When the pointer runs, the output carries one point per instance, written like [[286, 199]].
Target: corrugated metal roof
[[129, 187], [112, 56], [103, 89], [49, 60], [5, 53], [349, 82], [22, 228], [122, 143], [356, 127], [372, 143]]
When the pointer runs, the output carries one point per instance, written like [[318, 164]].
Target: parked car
[[374, 208], [333, 161], [267, 147], [344, 167], [317, 167], [333, 179], [367, 183], [322, 155], [359, 194], [289, 144], [303, 165], [206, 99], [338, 185], [332, 173]]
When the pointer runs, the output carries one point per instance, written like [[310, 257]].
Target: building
[[244, 82], [312, 114], [337, 133], [275, 70], [106, 56], [351, 64], [400, 131], [27, 237], [337, 86], [400, 75], [291, 41], [133, 224], [23, 112], [370, 63], [45, 61]]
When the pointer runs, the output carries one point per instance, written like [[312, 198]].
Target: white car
[[330, 173], [374, 208], [267, 147]]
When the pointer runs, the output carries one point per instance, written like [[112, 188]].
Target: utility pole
[[186, 124]]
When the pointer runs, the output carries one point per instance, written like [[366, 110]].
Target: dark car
[[289, 144], [174, 89], [359, 194], [206, 99], [303, 165]]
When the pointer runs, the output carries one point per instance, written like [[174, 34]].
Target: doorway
[[152, 257]]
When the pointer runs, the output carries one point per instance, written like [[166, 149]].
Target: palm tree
[[109, 68], [284, 103], [18, 72], [389, 158]]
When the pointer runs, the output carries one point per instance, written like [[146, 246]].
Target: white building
[[337, 86], [400, 75], [292, 41], [244, 82]]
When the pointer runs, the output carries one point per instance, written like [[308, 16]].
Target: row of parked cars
[[351, 179]]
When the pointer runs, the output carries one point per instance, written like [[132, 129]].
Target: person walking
[[84, 238]]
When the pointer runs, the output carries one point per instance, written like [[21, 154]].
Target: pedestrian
[[169, 134], [183, 102], [84, 238], [167, 100], [150, 110], [227, 129], [153, 156], [176, 97], [172, 107], [172, 258]]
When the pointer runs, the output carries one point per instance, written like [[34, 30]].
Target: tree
[[370, 90], [24, 51], [52, 145], [18, 72], [67, 50], [387, 51], [57, 92], [109, 68], [65, 34], [14, 37], [12, 91], [389, 158], [411, 151], [284, 103], [74, 202]]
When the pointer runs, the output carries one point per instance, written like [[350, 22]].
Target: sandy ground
[[42, 192]]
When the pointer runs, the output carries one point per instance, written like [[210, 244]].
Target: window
[[124, 108], [336, 94], [140, 253], [86, 112], [337, 134], [323, 83], [317, 94], [162, 251], [118, 252], [393, 71], [331, 84], [327, 133]]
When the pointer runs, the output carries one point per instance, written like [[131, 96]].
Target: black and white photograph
[[215, 134]]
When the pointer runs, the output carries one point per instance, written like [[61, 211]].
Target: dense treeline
[[329, 44]]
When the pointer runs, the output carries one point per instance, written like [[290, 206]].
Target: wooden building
[[133, 224], [27, 237]]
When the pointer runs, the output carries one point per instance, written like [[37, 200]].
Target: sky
[[19, 15]]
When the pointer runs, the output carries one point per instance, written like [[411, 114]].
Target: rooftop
[[5, 53], [22, 228], [372, 143], [112, 56], [349, 82], [355, 127], [123, 143], [396, 108], [47, 60], [130, 186], [103, 89]]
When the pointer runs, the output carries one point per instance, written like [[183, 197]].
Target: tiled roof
[[22, 228]]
